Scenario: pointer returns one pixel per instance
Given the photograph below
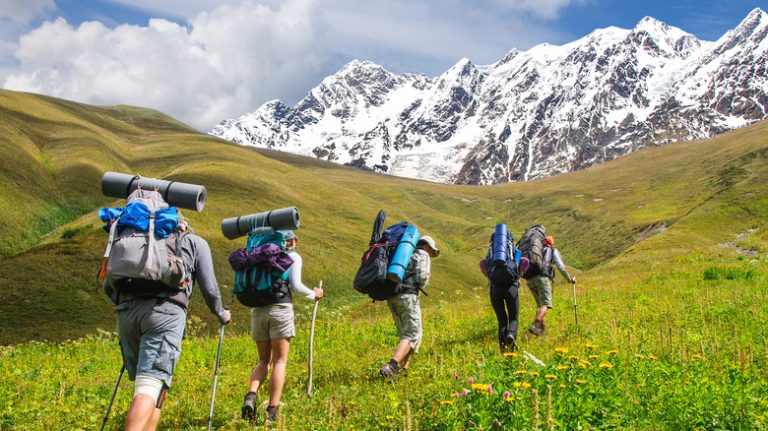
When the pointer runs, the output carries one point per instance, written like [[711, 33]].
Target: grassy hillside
[[663, 243]]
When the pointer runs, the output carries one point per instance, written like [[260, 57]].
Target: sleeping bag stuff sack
[[403, 252], [503, 267]]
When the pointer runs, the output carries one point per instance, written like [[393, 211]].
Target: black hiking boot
[[511, 343], [249, 406], [272, 415]]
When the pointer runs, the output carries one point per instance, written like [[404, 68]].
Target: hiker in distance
[[405, 307], [501, 268], [272, 328], [150, 324], [541, 252]]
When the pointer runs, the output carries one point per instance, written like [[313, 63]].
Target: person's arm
[[206, 278], [558, 261], [422, 267], [294, 277]]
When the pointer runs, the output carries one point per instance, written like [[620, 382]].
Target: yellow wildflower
[[639, 356], [521, 372], [517, 384], [574, 357], [561, 350], [510, 399], [535, 374], [510, 354], [582, 365], [446, 402], [580, 381], [562, 386], [480, 387], [594, 356], [612, 352], [606, 365], [698, 356], [551, 377], [590, 346], [563, 367], [525, 385], [652, 357]]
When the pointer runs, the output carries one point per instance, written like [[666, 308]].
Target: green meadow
[[668, 245]]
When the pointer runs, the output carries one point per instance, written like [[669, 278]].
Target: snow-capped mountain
[[536, 113]]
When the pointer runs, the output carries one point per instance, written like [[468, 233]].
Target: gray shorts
[[272, 322], [406, 311], [541, 288], [150, 332]]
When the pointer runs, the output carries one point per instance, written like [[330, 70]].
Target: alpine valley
[[535, 113]]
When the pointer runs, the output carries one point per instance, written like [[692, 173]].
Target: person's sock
[[393, 364]]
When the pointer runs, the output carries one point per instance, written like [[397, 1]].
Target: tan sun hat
[[431, 243]]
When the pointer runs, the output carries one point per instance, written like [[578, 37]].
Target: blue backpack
[[262, 269], [503, 258]]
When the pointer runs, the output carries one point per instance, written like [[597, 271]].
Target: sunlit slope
[[54, 153]]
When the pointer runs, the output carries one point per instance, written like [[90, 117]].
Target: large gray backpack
[[137, 257]]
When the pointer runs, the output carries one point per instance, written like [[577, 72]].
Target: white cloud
[[224, 63], [22, 12], [546, 9]]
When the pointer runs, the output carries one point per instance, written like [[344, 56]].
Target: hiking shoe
[[388, 371], [249, 406], [537, 329], [271, 416], [511, 343]]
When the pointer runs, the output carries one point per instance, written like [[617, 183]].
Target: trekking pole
[[114, 392], [575, 315], [215, 376], [312, 343]]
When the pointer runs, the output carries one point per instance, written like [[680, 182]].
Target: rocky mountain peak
[[534, 113]]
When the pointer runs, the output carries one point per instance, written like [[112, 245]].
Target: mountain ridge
[[535, 113]]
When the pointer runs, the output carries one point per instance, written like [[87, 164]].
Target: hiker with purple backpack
[[272, 323]]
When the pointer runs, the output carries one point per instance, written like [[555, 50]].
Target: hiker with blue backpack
[[501, 267], [395, 268], [541, 255], [272, 318], [151, 265], [406, 309]]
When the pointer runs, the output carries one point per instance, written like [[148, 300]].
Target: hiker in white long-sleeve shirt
[[272, 328]]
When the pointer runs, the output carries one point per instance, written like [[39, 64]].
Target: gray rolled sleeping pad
[[183, 195], [284, 218]]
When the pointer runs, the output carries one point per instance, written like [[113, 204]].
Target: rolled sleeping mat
[[182, 195], [402, 255], [499, 243], [284, 218]]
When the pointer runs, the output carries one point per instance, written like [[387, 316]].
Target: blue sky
[[203, 61]]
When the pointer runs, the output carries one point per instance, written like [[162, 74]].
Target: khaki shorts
[[406, 311], [541, 288], [272, 322]]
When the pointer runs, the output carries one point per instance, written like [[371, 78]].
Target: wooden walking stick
[[312, 342]]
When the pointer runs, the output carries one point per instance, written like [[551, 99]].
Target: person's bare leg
[[541, 313], [261, 370], [280, 349], [152, 425], [402, 352], [140, 413]]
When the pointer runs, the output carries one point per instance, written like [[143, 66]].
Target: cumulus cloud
[[221, 64], [22, 12]]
